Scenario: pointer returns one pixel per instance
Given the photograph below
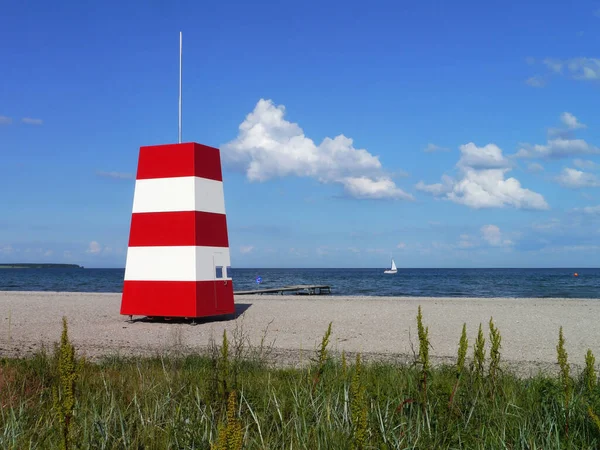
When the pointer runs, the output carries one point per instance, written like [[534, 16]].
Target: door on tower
[[219, 274]]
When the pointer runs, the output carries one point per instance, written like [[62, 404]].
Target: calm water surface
[[407, 282]]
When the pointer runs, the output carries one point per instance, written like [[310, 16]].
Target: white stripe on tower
[[178, 194], [184, 263]]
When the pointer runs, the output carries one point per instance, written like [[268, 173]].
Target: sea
[[533, 283]]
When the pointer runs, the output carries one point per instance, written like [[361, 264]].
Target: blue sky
[[448, 135]]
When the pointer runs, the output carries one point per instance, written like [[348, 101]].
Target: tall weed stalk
[[590, 378], [565, 378], [423, 333], [495, 344], [224, 367], [358, 408], [322, 356], [479, 356], [64, 391], [230, 434], [590, 382], [463, 345]]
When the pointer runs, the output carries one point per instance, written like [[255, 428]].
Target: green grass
[[229, 398]]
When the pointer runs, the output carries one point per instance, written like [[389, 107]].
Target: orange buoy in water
[[576, 274]]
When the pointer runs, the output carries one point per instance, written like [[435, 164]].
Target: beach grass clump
[[230, 433], [589, 380], [479, 355], [359, 408], [322, 356], [169, 401], [463, 346], [590, 377], [224, 367], [63, 391], [495, 344], [565, 377], [423, 333]]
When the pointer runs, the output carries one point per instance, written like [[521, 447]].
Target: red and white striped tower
[[178, 255]]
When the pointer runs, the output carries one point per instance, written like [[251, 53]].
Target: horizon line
[[399, 268]]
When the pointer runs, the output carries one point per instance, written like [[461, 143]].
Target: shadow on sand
[[240, 308]]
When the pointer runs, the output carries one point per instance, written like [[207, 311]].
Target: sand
[[381, 328]]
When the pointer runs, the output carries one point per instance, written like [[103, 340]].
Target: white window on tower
[[219, 272], [228, 272]]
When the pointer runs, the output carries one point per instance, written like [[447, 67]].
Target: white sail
[[393, 269]]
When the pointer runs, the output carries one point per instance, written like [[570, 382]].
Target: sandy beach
[[379, 328]]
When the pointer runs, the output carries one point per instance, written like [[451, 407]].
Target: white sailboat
[[393, 269]]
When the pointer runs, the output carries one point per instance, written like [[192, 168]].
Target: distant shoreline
[[400, 269], [39, 266]]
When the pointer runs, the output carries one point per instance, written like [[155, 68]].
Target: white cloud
[[401, 245], [437, 189], [94, 248], [587, 69], [37, 251], [489, 189], [535, 167], [560, 142], [487, 157], [557, 148], [244, 249], [298, 252], [577, 248], [30, 121], [4, 120], [268, 146], [466, 241], [590, 209], [434, 148], [536, 81], [554, 65], [571, 121], [116, 175], [493, 236], [585, 164], [7, 249], [550, 225], [401, 173], [573, 178], [367, 188], [322, 251], [482, 182], [442, 246]]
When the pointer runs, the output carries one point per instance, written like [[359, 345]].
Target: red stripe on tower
[[178, 259], [178, 228], [184, 160]]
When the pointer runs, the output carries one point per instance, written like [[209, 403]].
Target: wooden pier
[[301, 289]]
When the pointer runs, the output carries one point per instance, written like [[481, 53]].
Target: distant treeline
[[40, 266]]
